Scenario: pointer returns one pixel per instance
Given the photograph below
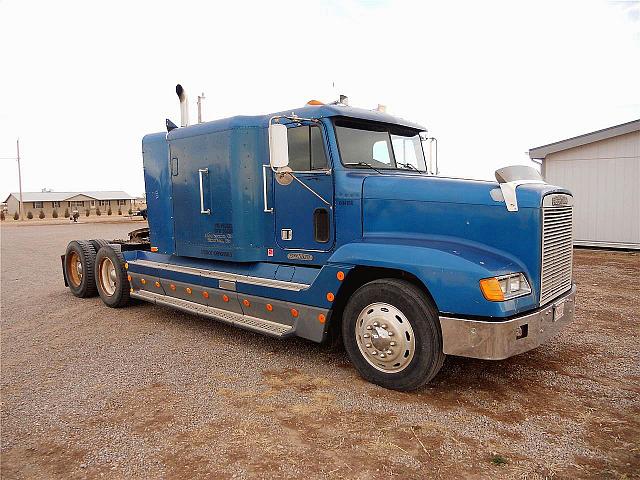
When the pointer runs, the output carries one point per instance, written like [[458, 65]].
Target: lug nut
[[391, 334], [384, 325], [366, 335], [368, 327], [375, 324], [393, 344], [389, 352], [382, 355], [374, 353], [368, 345]]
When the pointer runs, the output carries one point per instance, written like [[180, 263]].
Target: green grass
[[499, 460]]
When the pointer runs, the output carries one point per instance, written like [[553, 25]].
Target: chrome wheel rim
[[108, 276], [385, 337]]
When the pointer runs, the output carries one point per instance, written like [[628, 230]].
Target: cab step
[[259, 325]]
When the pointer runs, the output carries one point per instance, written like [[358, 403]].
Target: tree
[[16, 216], [98, 212], [130, 212], [109, 212], [66, 213], [119, 211], [87, 212], [41, 214], [2, 216], [29, 215], [54, 214]]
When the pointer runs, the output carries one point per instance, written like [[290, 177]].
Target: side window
[[306, 149]]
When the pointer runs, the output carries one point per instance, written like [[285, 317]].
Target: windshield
[[379, 146]]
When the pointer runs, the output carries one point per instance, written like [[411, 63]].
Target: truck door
[[303, 220]]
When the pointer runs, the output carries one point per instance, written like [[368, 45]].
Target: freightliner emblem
[[299, 256], [559, 200]]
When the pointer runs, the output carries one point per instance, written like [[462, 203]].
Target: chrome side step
[[243, 321]]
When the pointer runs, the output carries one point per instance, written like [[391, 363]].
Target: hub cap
[[108, 276], [74, 267], [385, 337]]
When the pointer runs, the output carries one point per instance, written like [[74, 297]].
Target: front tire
[[111, 277], [392, 335]]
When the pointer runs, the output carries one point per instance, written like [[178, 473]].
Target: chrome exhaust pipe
[[184, 106]]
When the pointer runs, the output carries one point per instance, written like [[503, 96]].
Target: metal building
[[602, 169]]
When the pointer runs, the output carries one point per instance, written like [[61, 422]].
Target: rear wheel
[[79, 262], [111, 277], [391, 332]]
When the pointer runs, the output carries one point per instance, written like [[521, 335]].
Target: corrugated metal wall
[[604, 178]]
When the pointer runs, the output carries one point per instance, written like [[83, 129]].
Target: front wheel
[[392, 335]]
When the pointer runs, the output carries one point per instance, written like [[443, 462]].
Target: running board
[[243, 321]]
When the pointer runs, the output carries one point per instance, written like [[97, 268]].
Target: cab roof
[[308, 111]]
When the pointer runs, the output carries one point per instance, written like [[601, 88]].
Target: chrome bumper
[[499, 340]]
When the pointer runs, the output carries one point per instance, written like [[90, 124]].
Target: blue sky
[[82, 82]]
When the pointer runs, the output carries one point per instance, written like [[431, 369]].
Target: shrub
[[130, 212], [98, 212], [16, 216], [119, 211], [29, 215], [41, 214], [109, 212], [66, 213], [54, 214], [2, 216], [87, 212]]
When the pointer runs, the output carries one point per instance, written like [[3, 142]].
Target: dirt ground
[[148, 392]]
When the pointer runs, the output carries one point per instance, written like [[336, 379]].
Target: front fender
[[449, 268]]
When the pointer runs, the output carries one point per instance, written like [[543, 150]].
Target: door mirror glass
[[278, 146]]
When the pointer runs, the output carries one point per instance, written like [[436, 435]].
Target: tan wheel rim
[[74, 269], [107, 276]]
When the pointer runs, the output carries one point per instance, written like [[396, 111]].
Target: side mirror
[[278, 146]]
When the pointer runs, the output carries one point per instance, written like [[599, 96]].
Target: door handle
[[202, 210], [264, 188]]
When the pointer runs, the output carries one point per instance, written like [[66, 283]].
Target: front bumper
[[499, 340]]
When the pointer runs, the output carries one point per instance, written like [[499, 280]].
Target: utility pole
[[20, 179]]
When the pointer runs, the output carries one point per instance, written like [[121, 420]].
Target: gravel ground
[[148, 392]]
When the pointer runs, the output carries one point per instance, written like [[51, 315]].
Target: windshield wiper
[[364, 164], [408, 166]]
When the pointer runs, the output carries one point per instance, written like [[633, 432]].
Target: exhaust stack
[[184, 106]]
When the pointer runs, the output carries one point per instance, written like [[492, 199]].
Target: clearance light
[[158, 284], [246, 303], [205, 294], [154, 249], [225, 298], [129, 277], [330, 296], [314, 102], [505, 287], [322, 318], [269, 307], [172, 287], [340, 276], [143, 281], [131, 290], [294, 313], [126, 266], [188, 290]]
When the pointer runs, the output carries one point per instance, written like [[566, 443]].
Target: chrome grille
[[557, 251]]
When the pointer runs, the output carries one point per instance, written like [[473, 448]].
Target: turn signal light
[[491, 289], [314, 102]]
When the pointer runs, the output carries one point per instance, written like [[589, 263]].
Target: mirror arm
[[308, 188]]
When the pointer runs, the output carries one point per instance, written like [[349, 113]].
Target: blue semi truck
[[326, 222]]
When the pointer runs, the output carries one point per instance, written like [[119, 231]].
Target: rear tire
[[111, 278], [79, 260], [98, 243], [391, 332]]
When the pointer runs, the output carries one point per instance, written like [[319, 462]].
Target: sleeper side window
[[306, 149]]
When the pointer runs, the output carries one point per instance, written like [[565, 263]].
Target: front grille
[[557, 251]]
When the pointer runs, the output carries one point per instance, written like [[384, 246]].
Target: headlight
[[505, 287]]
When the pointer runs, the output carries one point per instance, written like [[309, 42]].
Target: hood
[[451, 190]]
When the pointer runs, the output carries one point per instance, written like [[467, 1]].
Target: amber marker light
[[158, 284], [314, 102], [205, 294], [269, 307], [331, 297], [322, 318], [246, 303], [188, 290], [340, 276], [154, 249], [172, 287], [294, 313], [129, 277], [491, 289], [143, 281], [131, 290], [225, 298], [126, 266]]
